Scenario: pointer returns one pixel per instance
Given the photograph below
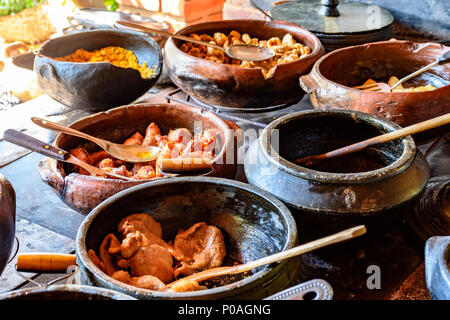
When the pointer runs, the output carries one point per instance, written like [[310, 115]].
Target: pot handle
[[308, 83], [316, 289], [47, 71], [48, 171], [45, 262]]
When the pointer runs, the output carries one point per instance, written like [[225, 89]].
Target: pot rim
[[316, 52], [399, 165], [150, 40], [104, 292], [228, 136], [366, 46], [86, 262]]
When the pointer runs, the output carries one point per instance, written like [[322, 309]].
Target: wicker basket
[[31, 25]]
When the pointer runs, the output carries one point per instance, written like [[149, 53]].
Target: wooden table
[[46, 224]]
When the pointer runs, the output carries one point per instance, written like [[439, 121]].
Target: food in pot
[[286, 50], [143, 259], [393, 80], [178, 143], [117, 56]]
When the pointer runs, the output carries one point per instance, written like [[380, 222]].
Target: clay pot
[[254, 224], [82, 193], [330, 81], [235, 87], [7, 220], [99, 85], [340, 192]]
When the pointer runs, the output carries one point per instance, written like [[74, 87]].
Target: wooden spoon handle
[[45, 262], [33, 144], [167, 34], [180, 165], [60, 128]]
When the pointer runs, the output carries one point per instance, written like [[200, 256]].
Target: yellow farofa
[[117, 56]]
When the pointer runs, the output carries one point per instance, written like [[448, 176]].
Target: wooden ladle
[[293, 252], [390, 136]]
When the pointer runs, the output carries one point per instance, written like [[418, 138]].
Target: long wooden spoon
[[390, 136], [307, 247]]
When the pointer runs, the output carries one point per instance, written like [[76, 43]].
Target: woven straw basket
[[31, 25]]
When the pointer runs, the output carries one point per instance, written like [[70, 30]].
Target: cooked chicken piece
[[135, 240], [171, 150], [135, 140], [122, 276], [193, 146], [184, 285], [148, 282], [161, 140], [108, 248], [199, 248], [181, 135], [122, 170], [141, 222], [152, 260], [150, 135], [82, 155]]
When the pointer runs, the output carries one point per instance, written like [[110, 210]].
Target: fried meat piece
[[108, 248], [151, 133], [141, 222], [148, 282], [135, 140], [199, 248]]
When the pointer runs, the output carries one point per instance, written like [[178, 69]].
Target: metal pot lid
[[101, 19], [333, 17]]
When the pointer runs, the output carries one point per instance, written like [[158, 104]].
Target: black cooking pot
[[337, 192], [99, 85], [7, 220], [65, 292], [254, 224]]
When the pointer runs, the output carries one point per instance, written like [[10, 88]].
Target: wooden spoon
[[293, 252], [390, 136]]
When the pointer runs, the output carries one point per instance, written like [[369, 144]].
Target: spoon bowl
[[244, 52]]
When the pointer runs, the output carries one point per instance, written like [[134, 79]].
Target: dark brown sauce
[[352, 163]]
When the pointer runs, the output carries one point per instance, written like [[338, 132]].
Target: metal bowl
[[100, 85], [65, 292], [331, 80], [235, 87], [254, 223], [7, 220], [437, 267], [346, 190], [83, 193]]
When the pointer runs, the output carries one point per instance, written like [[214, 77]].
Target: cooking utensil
[[235, 51], [96, 85], [381, 86], [123, 152], [316, 289], [293, 252], [390, 136], [26, 141]]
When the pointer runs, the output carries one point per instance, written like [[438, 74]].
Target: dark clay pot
[[437, 267], [330, 82], [82, 193], [65, 292], [7, 220], [100, 85], [235, 87], [346, 190], [254, 224]]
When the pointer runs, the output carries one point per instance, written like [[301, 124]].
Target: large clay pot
[[235, 87]]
